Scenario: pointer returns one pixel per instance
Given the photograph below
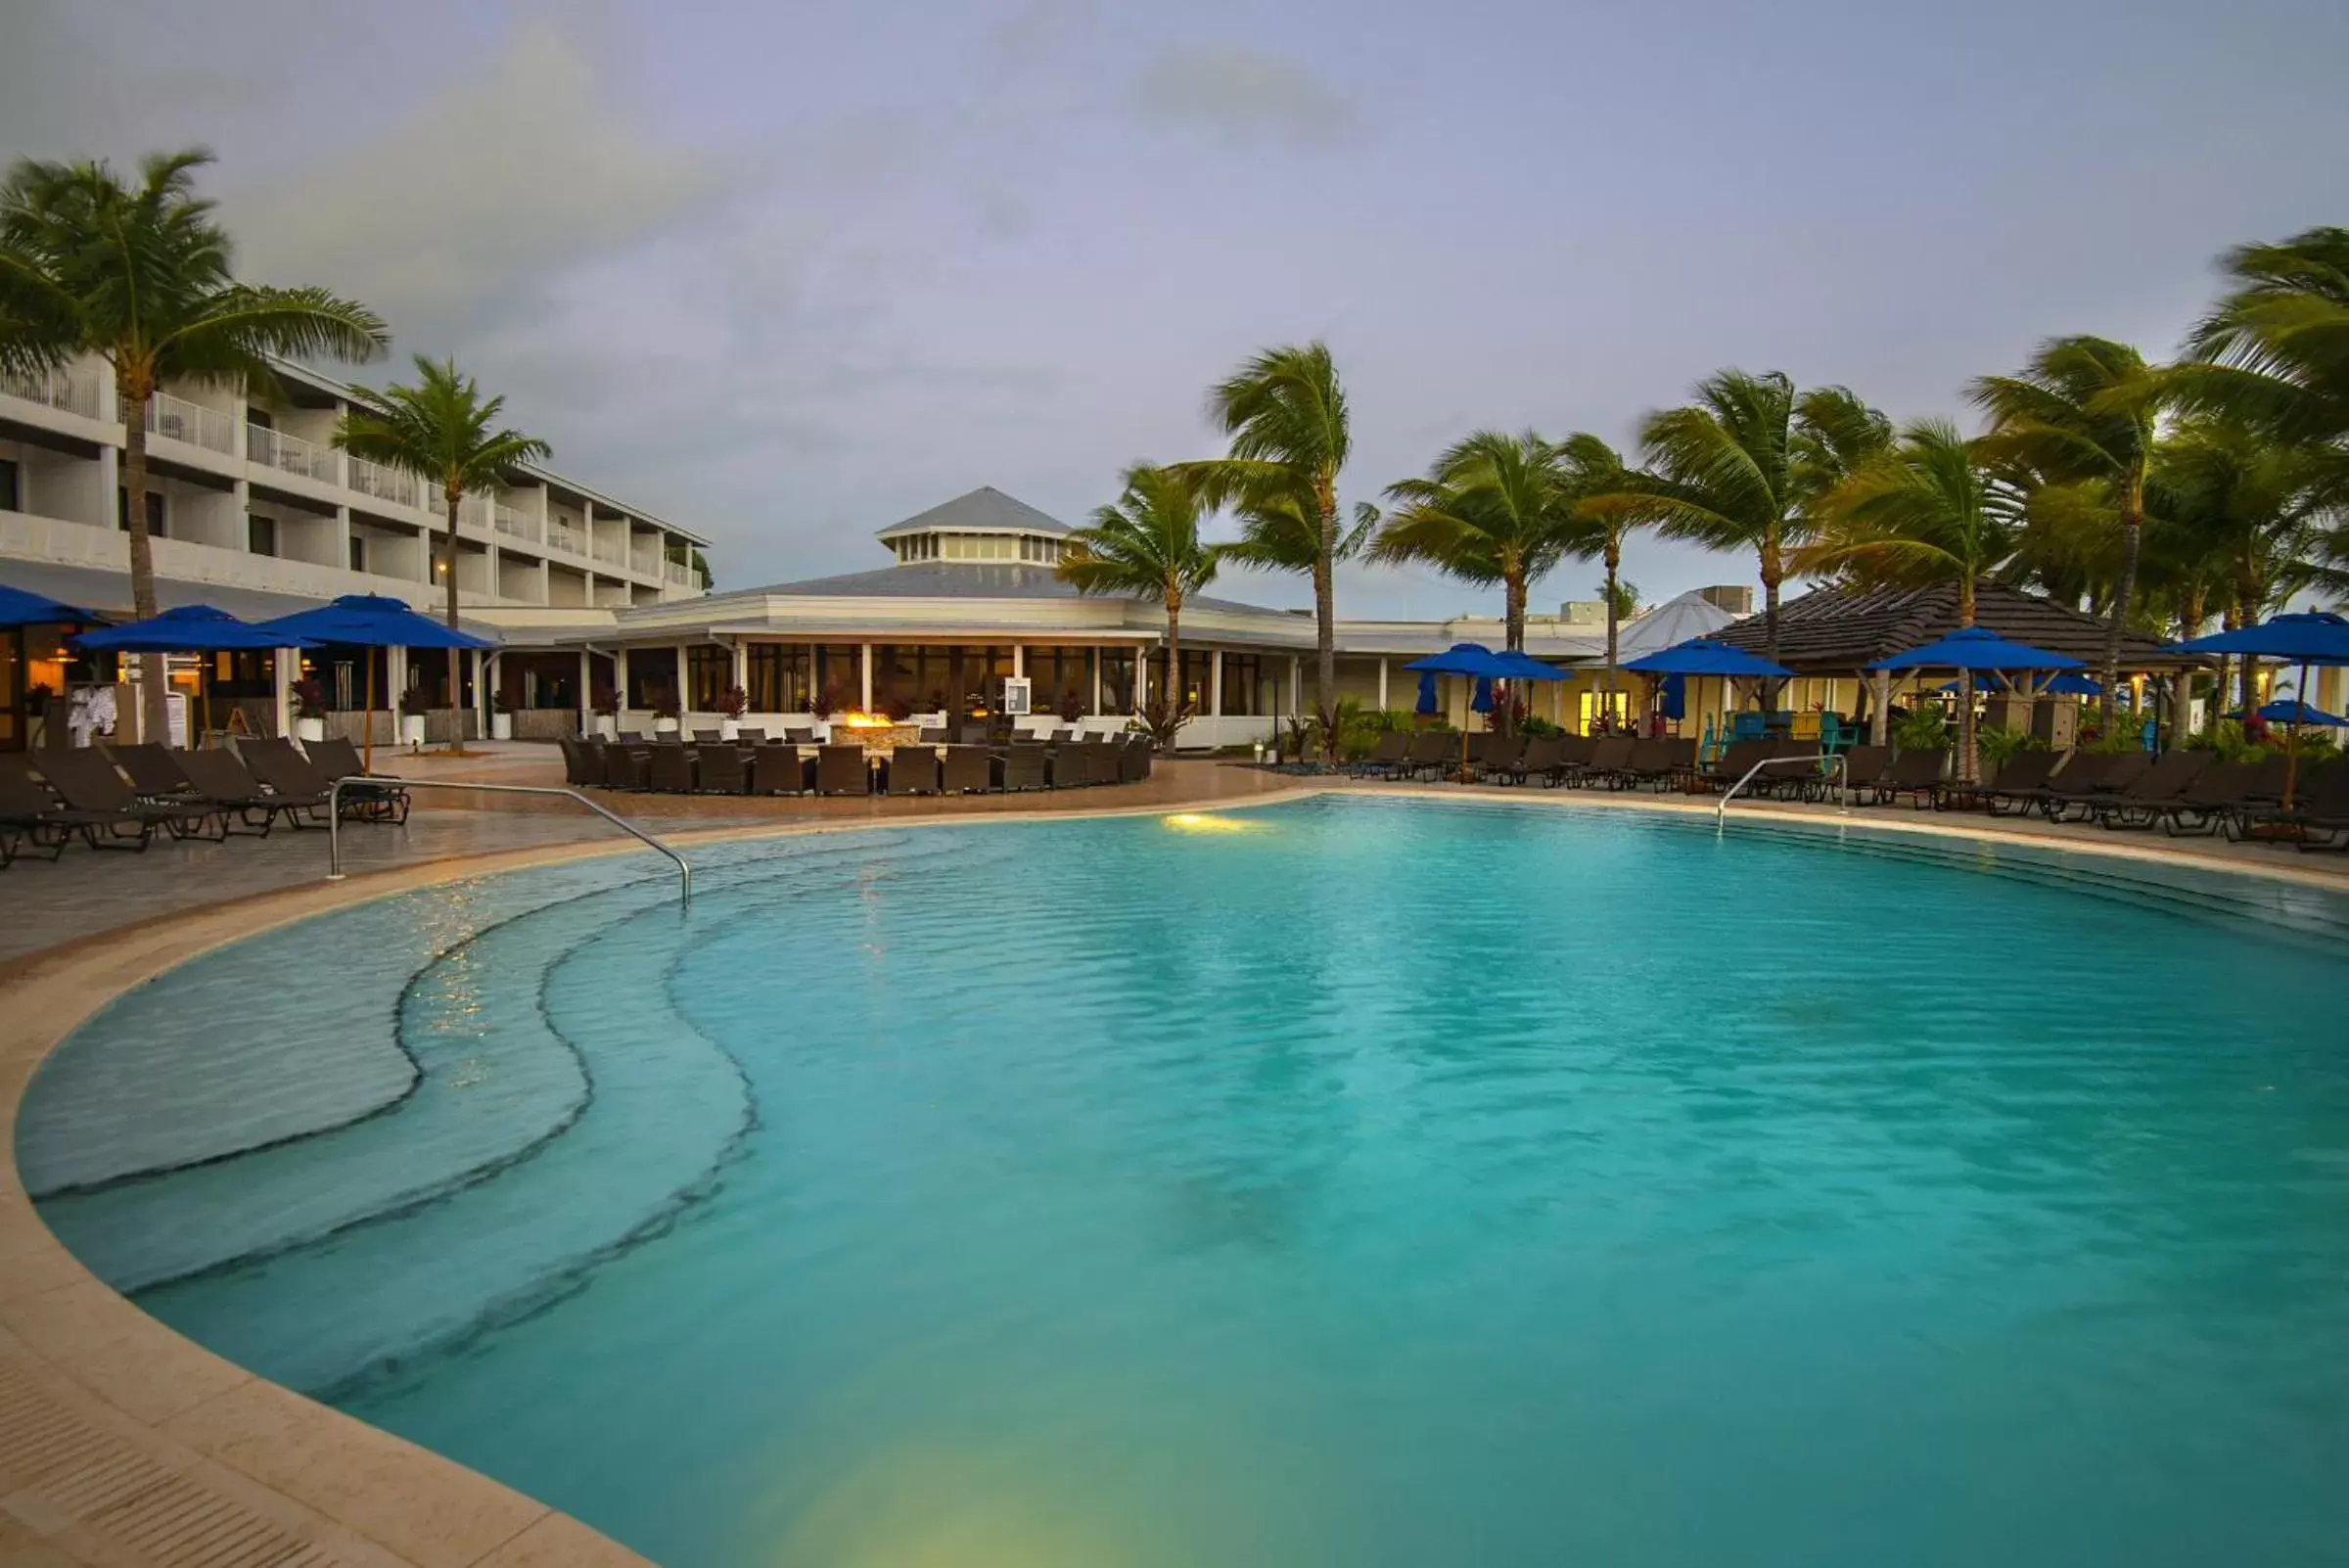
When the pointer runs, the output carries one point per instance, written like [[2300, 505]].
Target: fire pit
[[874, 732]]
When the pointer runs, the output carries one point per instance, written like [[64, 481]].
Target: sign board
[[175, 706], [1016, 693]]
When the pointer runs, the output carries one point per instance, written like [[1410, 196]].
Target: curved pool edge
[[137, 1442], [141, 1430]]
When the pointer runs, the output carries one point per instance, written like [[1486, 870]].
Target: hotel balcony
[[394, 484], [289, 454], [59, 390], [179, 420]]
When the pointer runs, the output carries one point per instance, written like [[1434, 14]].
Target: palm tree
[[1493, 508], [1597, 470], [2230, 502], [1742, 466], [444, 432], [2274, 351], [139, 275], [1924, 510], [1285, 413], [2082, 413], [1148, 545]]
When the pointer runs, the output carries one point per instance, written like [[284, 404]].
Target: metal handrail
[[1843, 795], [333, 818]]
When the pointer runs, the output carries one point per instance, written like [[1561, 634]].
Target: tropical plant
[[1494, 508], [1146, 545], [309, 698], [1597, 470], [443, 431], [1742, 466], [1920, 728], [1922, 510], [2081, 414], [1284, 412], [733, 701], [1620, 597], [138, 274], [2000, 744]]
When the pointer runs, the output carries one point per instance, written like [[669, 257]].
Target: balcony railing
[[507, 521], [394, 484], [288, 454], [678, 572], [472, 512], [55, 388], [177, 418], [562, 537]]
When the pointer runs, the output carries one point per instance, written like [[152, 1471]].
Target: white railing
[[177, 418], [561, 536], [472, 512], [610, 551], [509, 522], [53, 389], [290, 454], [678, 572], [394, 484]]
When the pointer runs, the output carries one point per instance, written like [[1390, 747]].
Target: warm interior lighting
[[864, 720], [1203, 822]]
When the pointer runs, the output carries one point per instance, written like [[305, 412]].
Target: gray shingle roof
[[984, 508], [1835, 630]]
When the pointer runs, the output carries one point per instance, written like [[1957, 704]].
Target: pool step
[[665, 1109]]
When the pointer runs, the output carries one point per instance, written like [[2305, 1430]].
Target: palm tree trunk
[[1773, 569], [2133, 517], [1326, 616], [1606, 690], [1968, 764], [154, 710], [1174, 697], [456, 688]]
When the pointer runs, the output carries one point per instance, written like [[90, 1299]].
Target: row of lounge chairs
[[2183, 792], [120, 797], [788, 768]]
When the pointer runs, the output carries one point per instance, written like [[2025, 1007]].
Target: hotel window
[[1057, 675], [652, 677], [12, 497], [781, 677], [839, 674], [358, 553], [709, 671], [1044, 552], [260, 533], [1198, 678], [1117, 681], [1243, 674], [155, 513]]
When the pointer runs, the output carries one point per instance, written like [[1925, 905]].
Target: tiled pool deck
[[122, 1445]]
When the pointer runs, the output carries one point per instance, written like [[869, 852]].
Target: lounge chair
[[2016, 782], [1608, 760], [707, 737], [745, 735], [1736, 759], [1793, 771], [1431, 754], [669, 769], [1659, 763], [794, 736], [1544, 754], [87, 782], [841, 771], [2319, 805], [2157, 789], [1383, 757], [30, 818], [1027, 765], [1499, 756], [1574, 755], [1864, 767], [2071, 796], [1917, 773], [970, 770], [226, 784], [778, 769], [719, 769], [155, 771], [912, 770], [336, 757], [2222, 790]]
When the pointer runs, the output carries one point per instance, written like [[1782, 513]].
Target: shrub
[[1997, 746], [1921, 729], [309, 699], [733, 701]]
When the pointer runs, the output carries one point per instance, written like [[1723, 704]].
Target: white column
[[1214, 684], [1095, 656], [586, 697], [682, 691], [1382, 685], [481, 691], [864, 670], [1296, 697], [1019, 659], [289, 671], [1141, 679]]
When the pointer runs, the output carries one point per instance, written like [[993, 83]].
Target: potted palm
[[309, 710], [731, 704], [821, 706], [607, 714], [413, 706], [665, 714], [501, 718]]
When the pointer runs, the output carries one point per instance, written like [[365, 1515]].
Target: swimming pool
[[1350, 1181]]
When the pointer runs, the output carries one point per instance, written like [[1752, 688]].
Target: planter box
[[501, 727], [309, 729], [412, 729]]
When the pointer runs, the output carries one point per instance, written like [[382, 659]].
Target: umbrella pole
[[2291, 737], [367, 734]]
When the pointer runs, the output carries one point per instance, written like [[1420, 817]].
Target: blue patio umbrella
[[1525, 667], [1481, 699], [1474, 660], [2303, 637], [21, 608], [2292, 711], [372, 621], [1702, 655], [1428, 702], [2070, 684], [190, 628], [1978, 648]]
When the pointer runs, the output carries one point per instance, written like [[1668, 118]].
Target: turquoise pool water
[[1354, 1182]]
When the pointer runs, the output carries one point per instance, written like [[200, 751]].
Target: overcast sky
[[786, 273]]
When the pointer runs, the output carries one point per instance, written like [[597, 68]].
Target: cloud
[[1245, 94], [529, 168]]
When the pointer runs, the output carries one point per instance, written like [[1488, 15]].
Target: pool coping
[[118, 1437]]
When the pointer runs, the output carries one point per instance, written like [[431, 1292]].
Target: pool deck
[[124, 1445]]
